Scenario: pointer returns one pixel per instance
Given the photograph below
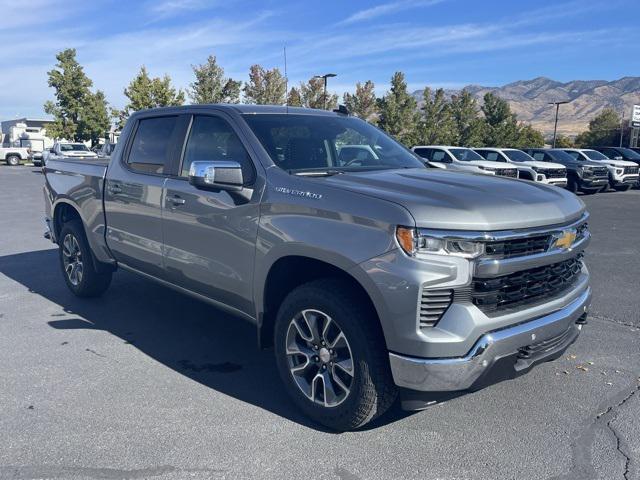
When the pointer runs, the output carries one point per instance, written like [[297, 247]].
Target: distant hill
[[529, 100]]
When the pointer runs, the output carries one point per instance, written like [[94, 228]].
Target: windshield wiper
[[316, 173]]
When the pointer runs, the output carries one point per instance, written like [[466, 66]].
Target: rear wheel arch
[[63, 213]]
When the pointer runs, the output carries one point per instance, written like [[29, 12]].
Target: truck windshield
[[298, 142], [595, 155], [518, 156], [465, 154], [73, 147], [630, 154]]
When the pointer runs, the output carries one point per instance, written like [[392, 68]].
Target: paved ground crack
[[604, 318], [583, 468]]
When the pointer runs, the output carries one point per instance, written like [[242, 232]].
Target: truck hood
[[461, 201], [545, 165], [618, 163], [488, 164], [79, 154]]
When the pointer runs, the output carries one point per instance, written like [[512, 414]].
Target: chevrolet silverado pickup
[[370, 275]]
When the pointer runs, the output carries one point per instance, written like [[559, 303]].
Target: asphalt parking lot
[[146, 383]]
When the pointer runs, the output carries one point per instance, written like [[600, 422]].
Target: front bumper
[[496, 354], [630, 179], [591, 183]]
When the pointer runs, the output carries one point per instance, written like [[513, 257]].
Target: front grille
[[553, 173], [433, 304], [507, 172], [630, 170], [599, 171], [518, 247], [527, 286]]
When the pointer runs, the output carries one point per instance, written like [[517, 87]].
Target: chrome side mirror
[[219, 175]]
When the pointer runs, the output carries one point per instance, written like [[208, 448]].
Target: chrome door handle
[[176, 200]]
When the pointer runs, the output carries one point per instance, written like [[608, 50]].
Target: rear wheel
[[13, 160], [77, 263], [331, 357]]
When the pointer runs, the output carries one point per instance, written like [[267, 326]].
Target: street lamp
[[325, 76], [555, 127]]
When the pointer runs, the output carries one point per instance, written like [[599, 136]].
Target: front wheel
[[76, 261], [13, 160], [331, 355], [622, 188]]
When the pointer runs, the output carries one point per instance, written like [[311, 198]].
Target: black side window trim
[[124, 159]]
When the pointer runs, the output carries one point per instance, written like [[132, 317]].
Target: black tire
[[572, 185], [371, 388], [13, 160], [622, 188], [87, 280]]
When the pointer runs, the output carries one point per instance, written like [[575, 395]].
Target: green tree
[[501, 129], [313, 95], [398, 115], [293, 98], [562, 141], [436, 125], [79, 114], [527, 136], [604, 129], [211, 86], [95, 121], [145, 92], [363, 103], [265, 87], [469, 127]]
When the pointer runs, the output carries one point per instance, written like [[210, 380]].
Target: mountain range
[[529, 99]]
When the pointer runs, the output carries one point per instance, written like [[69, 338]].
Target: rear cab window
[[150, 147]]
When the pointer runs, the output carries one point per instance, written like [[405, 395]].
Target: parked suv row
[[528, 167], [463, 160]]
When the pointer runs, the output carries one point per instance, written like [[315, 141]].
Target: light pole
[[325, 76], [555, 126]]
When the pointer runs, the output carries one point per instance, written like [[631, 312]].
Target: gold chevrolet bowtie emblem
[[565, 239]]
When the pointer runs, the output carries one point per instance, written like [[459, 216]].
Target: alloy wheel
[[319, 358], [72, 259]]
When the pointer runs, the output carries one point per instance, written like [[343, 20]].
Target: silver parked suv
[[368, 273]]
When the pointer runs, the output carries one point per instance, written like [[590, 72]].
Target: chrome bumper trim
[[460, 373], [495, 267]]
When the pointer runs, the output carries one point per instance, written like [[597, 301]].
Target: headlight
[[586, 171], [414, 243], [486, 169], [619, 171]]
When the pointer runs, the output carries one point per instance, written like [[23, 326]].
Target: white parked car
[[623, 174], [69, 150], [528, 167], [462, 159]]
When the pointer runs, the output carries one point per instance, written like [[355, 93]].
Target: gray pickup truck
[[370, 275]]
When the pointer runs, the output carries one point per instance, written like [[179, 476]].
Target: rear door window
[[423, 152], [150, 148]]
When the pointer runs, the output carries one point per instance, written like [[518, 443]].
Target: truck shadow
[[195, 339]]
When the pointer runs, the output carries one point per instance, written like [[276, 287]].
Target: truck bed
[[79, 183]]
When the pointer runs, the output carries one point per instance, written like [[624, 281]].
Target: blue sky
[[447, 43]]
